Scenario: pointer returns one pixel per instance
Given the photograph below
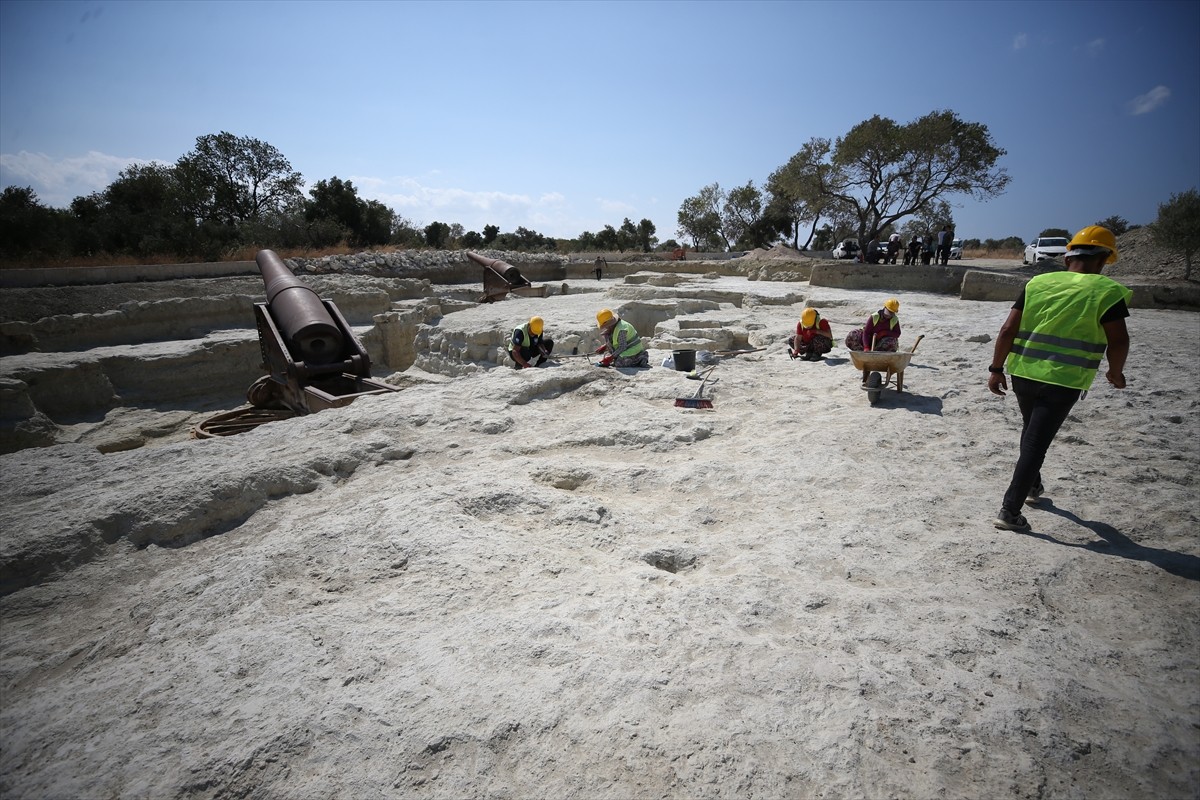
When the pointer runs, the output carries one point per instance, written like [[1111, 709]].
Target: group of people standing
[[932, 249]]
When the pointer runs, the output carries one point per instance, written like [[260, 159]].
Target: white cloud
[[1094, 47], [614, 207], [1145, 103], [58, 181], [1020, 41], [420, 204]]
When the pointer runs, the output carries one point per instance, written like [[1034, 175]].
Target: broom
[[697, 400]]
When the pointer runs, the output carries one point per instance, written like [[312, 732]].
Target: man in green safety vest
[[1060, 328], [622, 345]]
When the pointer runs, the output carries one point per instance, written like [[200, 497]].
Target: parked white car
[[846, 249], [956, 248], [1045, 247]]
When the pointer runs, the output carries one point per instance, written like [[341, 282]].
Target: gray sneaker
[[1035, 495], [1010, 521]]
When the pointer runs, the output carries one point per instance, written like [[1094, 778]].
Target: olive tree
[[700, 219], [231, 179], [1178, 226], [881, 172]]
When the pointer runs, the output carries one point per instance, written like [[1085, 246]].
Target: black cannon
[[313, 359], [499, 278]]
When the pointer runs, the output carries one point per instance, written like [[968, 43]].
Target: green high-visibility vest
[[1061, 340], [633, 342], [526, 338]]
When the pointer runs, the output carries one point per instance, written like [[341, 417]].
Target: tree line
[[231, 192], [881, 178]]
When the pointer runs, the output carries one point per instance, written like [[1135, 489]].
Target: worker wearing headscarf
[[881, 332], [813, 337]]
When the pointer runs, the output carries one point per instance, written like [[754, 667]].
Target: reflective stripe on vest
[[1061, 340], [633, 344]]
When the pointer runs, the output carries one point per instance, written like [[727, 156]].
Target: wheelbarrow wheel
[[874, 386]]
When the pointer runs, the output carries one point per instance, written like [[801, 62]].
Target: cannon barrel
[[484, 261], [298, 311]]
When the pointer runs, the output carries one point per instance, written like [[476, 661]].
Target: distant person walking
[[1053, 340]]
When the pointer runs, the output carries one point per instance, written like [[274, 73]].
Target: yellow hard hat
[[603, 316], [892, 305], [535, 326], [1094, 236], [809, 317]]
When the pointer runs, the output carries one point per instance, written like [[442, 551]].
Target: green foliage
[[27, 227], [607, 238], [472, 239], [1063, 232], [645, 235], [490, 232], [1009, 244], [627, 236], [1116, 224], [1178, 226], [823, 238], [971, 244], [437, 234], [230, 179], [881, 172], [699, 217]]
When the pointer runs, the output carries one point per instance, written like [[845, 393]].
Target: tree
[[700, 218], [1116, 224], [645, 235], [1060, 232], [230, 179], [794, 195], [881, 172], [436, 234], [741, 213], [607, 238], [334, 213], [627, 236], [1178, 226], [490, 232], [142, 215], [27, 227]]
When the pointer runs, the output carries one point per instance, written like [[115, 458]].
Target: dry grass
[[981, 253]]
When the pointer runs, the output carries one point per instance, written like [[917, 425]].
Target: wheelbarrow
[[871, 363]]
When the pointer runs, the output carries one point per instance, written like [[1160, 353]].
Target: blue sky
[[567, 116]]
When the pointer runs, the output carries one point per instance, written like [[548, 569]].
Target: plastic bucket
[[685, 360]]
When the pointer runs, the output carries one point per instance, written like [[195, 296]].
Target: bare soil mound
[[1142, 259]]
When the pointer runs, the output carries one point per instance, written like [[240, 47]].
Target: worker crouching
[[527, 343], [813, 337], [622, 346]]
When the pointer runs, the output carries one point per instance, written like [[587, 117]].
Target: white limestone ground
[[555, 583]]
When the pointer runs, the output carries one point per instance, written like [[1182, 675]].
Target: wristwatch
[[996, 370]]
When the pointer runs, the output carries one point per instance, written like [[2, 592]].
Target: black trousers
[[530, 353], [1044, 408]]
